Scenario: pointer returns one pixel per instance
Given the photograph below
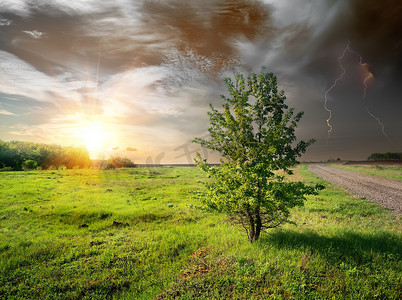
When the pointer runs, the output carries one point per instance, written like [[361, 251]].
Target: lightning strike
[[368, 76], [332, 87]]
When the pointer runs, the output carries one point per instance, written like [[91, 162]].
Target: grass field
[[389, 172], [58, 241]]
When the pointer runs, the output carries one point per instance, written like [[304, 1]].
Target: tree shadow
[[352, 247]]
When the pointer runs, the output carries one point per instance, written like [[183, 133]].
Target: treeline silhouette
[[114, 162], [16, 155], [385, 156]]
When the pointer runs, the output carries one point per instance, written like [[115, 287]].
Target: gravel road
[[383, 191]]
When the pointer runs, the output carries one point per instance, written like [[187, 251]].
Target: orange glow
[[368, 77]]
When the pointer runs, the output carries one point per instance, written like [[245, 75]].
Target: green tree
[[14, 153], [121, 162], [255, 136], [29, 164]]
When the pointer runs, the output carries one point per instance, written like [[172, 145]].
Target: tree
[[29, 165], [255, 136], [385, 156], [121, 162], [13, 154]]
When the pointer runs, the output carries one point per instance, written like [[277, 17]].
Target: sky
[[134, 78]]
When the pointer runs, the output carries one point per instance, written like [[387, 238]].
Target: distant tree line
[[19, 156], [114, 162], [385, 156], [16, 155]]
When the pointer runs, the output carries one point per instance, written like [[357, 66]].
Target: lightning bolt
[[332, 87], [368, 76]]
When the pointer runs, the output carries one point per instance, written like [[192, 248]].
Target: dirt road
[[383, 191]]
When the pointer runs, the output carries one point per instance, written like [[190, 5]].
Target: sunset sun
[[93, 136]]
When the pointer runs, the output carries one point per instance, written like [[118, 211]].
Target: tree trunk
[[255, 226], [258, 226], [251, 230]]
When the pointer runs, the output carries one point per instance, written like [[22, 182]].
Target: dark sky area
[[135, 77]]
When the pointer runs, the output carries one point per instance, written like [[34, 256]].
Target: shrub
[[29, 165]]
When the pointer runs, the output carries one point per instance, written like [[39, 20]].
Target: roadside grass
[[389, 172], [342, 247]]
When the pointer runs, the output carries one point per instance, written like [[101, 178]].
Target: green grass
[[389, 172], [342, 247]]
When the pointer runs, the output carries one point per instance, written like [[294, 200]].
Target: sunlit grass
[[389, 172], [342, 247]]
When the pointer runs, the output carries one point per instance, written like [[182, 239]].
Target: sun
[[93, 136]]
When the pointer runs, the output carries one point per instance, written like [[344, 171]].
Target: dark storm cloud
[[208, 27], [66, 46], [130, 34], [130, 31], [372, 27], [5, 22], [376, 27], [319, 30]]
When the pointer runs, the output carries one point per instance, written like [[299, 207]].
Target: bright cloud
[[7, 113], [35, 34]]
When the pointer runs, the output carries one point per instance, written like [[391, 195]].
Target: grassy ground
[[389, 172], [343, 247]]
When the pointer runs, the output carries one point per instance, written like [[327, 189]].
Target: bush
[[5, 169], [120, 162], [108, 166], [29, 165], [385, 156]]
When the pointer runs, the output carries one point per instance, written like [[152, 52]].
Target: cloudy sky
[[135, 77]]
